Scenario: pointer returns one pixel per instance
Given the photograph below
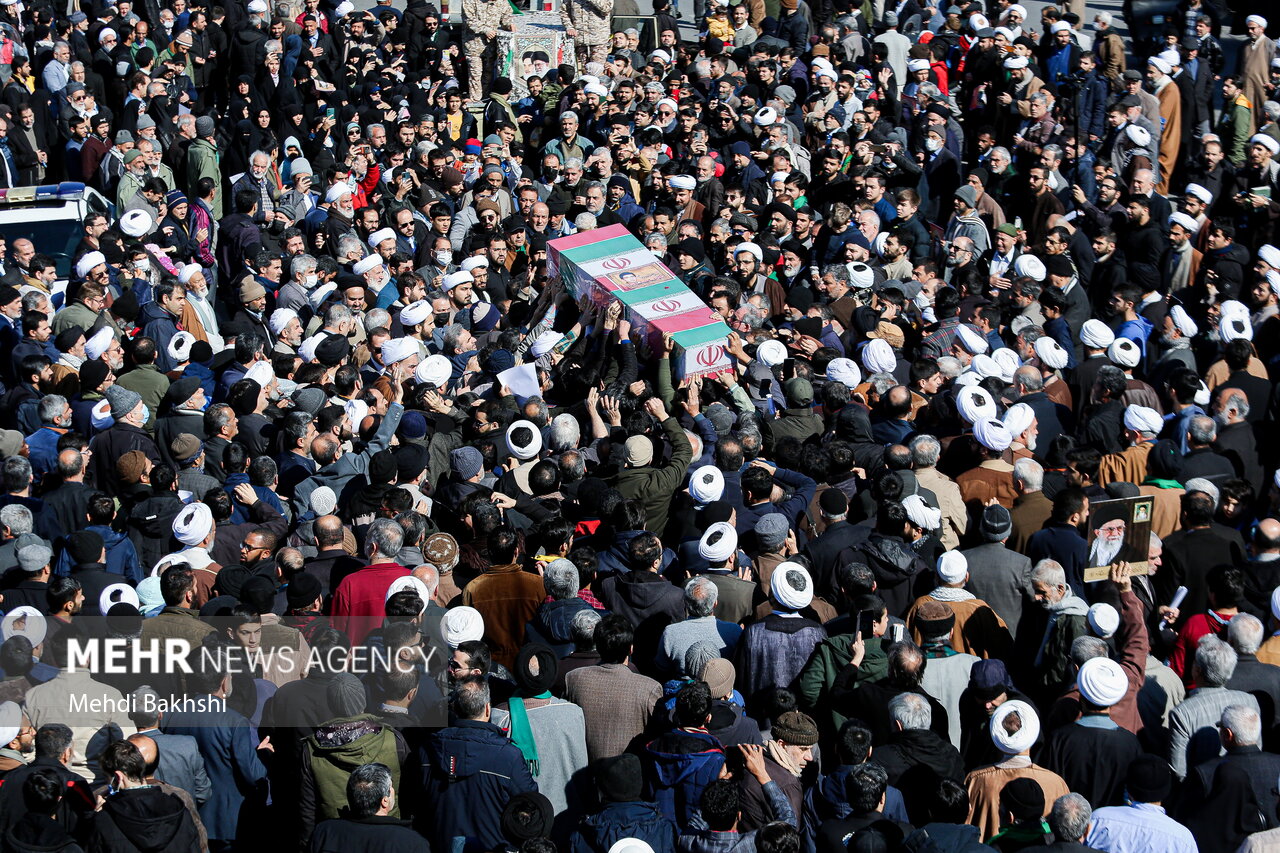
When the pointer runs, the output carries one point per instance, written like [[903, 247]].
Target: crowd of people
[[975, 544]]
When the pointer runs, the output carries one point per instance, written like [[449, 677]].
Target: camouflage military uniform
[[480, 16], [591, 19]]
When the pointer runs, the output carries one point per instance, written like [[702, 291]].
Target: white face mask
[[143, 265], [311, 280], [933, 143], [444, 258]]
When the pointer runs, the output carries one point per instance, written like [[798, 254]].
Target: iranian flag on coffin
[[610, 263]]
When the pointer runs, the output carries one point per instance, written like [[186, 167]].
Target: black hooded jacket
[[143, 820]]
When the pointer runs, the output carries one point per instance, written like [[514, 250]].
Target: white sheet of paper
[[522, 380]]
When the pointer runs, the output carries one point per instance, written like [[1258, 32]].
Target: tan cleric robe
[[985, 784], [992, 479], [1127, 466], [1171, 130], [978, 631], [1255, 73]]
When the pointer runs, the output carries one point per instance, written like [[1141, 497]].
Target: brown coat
[[979, 630], [507, 597], [1171, 134], [1166, 512], [992, 479], [986, 783], [1127, 466], [1029, 513], [616, 704], [950, 501]]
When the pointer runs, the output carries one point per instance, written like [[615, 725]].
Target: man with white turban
[[1255, 64], [987, 636], [1014, 728], [1141, 427], [993, 477], [772, 651]]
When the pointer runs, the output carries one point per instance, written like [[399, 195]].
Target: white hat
[[706, 485], [545, 343], [1102, 681], [984, 365], [1004, 31], [718, 543], [829, 72], [180, 346], [975, 404], [34, 629], [337, 191], [1103, 619], [917, 65], [100, 415], [474, 262], [766, 117], [85, 265], [188, 272], [398, 349], [845, 371], [193, 525], [596, 89], [1008, 361], [529, 450], [1019, 418], [462, 624], [972, 342], [118, 593], [878, 357], [366, 263], [1143, 419], [307, 351], [1138, 135], [258, 6], [346, 7], [1031, 267], [1233, 308], [992, 434], [1270, 255], [415, 313], [1021, 740], [454, 279], [921, 514], [1188, 223], [98, 344], [136, 223], [261, 373], [1202, 398], [752, 248], [861, 276], [1235, 328], [378, 236], [630, 845], [323, 501], [1096, 334], [1182, 320], [1060, 27], [10, 722], [1203, 194], [1015, 61], [665, 57], [280, 318], [435, 370], [953, 567], [1256, 19], [683, 182], [771, 353], [1123, 352], [1159, 64], [1051, 353], [1016, 8], [1266, 141], [410, 583], [791, 585], [1273, 280]]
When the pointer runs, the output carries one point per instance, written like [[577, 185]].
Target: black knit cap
[[1149, 780], [619, 778], [1023, 798], [303, 589]]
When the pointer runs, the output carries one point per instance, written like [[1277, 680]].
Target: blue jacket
[[470, 771], [616, 821], [159, 325], [122, 557], [42, 450], [552, 623], [230, 750], [239, 512], [685, 762], [826, 800]]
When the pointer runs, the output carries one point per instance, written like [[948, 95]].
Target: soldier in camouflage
[[483, 19], [587, 22]]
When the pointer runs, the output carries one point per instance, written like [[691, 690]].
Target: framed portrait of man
[[1119, 532]]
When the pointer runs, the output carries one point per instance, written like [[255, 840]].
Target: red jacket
[[359, 605]]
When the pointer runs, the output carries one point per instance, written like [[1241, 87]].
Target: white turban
[[718, 543], [462, 624], [766, 117], [1021, 740], [953, 567], [791, 585], [1051, 353], [1031, 267], [630, 845], [706, 485], [529, 450], [878, 357], [280, 318], [1266, 141], [973, 342], [1159, 64], [261, 373], [10, 722], [1273, 281], [1124, 353], [1233, 328], [1188, 223], [100, 415], [1256, 19], [398, 349], [921, 514], [917, 65], [1171, 57], [845, 371], [378, 236], [336, 192], [1019, 418], [410, 583], [307, 352], [194, 524], [975, 404], [474, 262], [1016, 8], [118, 593], [1207, 197], [1202, 396], [1096, 334], [1103, 619], [1275, 593], [750, 248], [545, 343], [1269, 254], [1182, 321], [97, 345], [415, 313], [1060, 27], [1143, 419], [435, 371], [771, 353], [366, 263], [1102, 682], [85, 265], [682, 182], [136, 223], [34, 630], [1008, 361], [992, 435], [1138, 135], [454, 279], [1015, 62], [984, 365]]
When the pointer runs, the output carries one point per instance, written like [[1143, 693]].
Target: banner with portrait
[[1119, 532]]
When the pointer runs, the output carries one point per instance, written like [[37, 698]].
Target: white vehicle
[[51, 216]]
